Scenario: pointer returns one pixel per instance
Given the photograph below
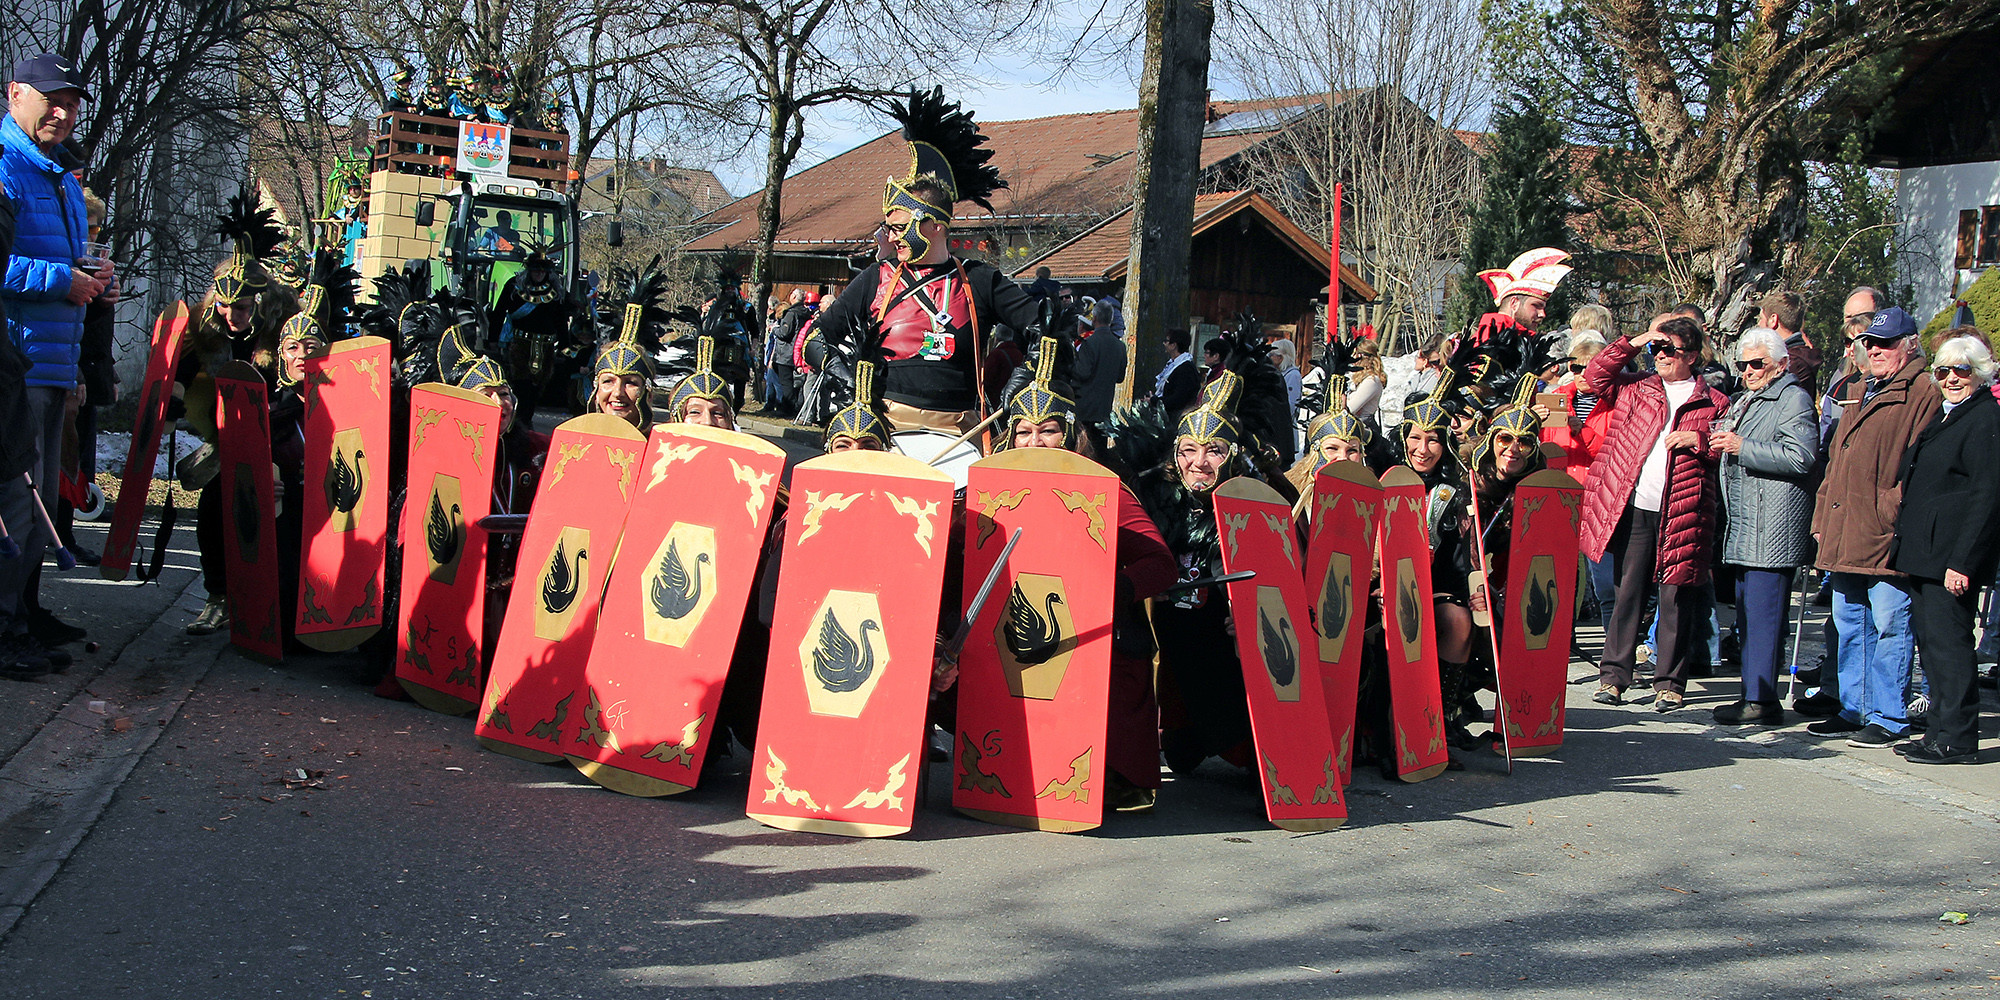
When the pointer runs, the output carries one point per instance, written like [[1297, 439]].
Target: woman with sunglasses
[[1768, 443], [1948, 539]]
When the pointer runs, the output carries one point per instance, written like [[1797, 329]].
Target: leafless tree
[[1377, 93]]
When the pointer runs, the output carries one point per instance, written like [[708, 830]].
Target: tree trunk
[[778, 152], [1173, 108]]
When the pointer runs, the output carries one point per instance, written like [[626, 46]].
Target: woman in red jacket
[[1650, 501]]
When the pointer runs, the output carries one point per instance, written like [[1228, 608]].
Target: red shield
[[454, 440], [1281, 669], [531, 699], [249, 532], [1340, 561], [674, 605], [1034, 678], [1416, 706], [1541, 604], [346, 502], [169, 332], [841, 736]]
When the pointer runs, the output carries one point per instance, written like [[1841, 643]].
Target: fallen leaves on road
[[299, 777], [1684, 892], [1955, 917]]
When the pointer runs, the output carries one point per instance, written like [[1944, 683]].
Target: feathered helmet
[[861, 419], [702, 383], [1535, 273], [1335, 421], [1215, 419], [461, 366], [254, 236], [635, 313], [1046, 396], [325, 305], [946, 150]]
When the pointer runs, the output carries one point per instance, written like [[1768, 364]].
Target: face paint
[[912, 237]]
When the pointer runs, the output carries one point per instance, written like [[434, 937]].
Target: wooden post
[[1173, 110]]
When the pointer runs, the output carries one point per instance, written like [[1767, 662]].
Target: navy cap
[[48, 73], [1891, 324]]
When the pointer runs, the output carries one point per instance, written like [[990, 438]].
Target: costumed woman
[[621, 376], [1204, 711], [238, 320], [936, 312], [302, 337], [1043, 414]]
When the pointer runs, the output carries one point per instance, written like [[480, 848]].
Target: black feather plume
[[254, 229], [929, 118]]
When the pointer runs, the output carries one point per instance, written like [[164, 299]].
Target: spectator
[[1001, 361], [1044, 285], [1284, 357], [1946, 540], [21, 657], [1364, 391], [1429, 367], [1854, 521], [1768, 442], [1581, 434], [1214, 358], [99, 387], [1178, 386], [46, 290], [1099, 371], [1651, 500], [782, 375]]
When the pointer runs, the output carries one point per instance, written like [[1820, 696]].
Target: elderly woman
[[1946, 539], [1768, 445]]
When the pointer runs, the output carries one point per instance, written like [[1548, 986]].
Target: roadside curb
[[784, 429], [54, 788]]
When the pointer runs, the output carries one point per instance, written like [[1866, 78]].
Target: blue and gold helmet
[[1336, 421], [702, 383], [946, 150], [861, 419], [1215, 419], [1045, 398], [461, 366], [1517, 418], [623, 356]]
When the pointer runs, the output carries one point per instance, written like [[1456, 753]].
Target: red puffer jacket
[[1639, 411]]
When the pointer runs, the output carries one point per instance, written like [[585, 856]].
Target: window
[[1968, 237], [1989, 235]]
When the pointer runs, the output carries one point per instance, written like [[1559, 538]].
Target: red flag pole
[[1333, 315]]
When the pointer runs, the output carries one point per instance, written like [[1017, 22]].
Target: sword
[[956, 643], [1210, 581]]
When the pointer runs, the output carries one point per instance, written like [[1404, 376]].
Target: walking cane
[[1792, 690], [65, 559]]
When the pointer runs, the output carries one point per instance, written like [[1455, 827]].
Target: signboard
[[482, 148]]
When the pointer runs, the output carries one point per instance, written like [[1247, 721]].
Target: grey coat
[[1767, 491]]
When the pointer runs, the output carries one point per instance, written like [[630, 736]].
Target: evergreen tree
[[1526, 204]]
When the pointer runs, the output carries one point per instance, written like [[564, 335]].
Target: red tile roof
[[1068, 165], [1102, 252]]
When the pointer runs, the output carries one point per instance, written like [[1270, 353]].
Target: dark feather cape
[[929, 118], [1141, 452], [1061, 320], [336, 308]]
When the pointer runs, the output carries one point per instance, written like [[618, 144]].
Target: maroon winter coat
[[1692, 496]]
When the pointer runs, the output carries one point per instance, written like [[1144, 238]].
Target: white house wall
[[1929, 199]]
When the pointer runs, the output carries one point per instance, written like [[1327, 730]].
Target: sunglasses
[[1962, 371], [1577, 366], [1883, 342], [1753, 365], [1661, 349], [1506, 440]]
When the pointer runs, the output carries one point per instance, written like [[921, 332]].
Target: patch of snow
[[112, 447]]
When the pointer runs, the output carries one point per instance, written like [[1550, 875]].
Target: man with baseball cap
[[46, 288]]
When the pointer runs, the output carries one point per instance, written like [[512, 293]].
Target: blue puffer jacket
[[49, 234]]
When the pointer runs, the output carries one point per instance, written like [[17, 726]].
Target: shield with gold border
[[1416, 706], [1034, 678], [840, 739], [155, 392], [249, 531], [1297, 760], [1340, 567], [1541, 603], [674, 604], [454, 441], [346, 502], [535, 706]]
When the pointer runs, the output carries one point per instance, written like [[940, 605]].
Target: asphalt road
[[1653, 856]]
